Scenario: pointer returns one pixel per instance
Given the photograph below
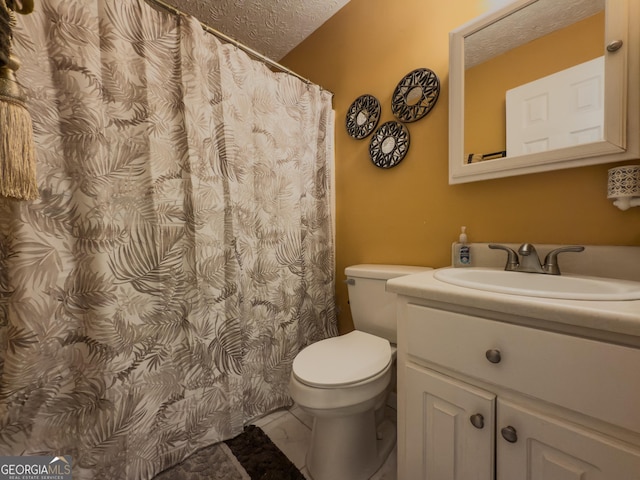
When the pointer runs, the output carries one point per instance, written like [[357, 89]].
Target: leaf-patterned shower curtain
[[153, 299]]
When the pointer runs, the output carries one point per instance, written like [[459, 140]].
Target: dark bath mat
[[261, 458], [251, 454]]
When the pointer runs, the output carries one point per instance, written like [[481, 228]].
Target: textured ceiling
[[533, 21], [270, 27]]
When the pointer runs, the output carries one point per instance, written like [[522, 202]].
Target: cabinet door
[[442, 443], [545, 448]]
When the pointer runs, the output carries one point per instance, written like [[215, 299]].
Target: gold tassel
[[17, 150]]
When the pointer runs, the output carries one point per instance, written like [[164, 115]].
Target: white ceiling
[[270, 27]]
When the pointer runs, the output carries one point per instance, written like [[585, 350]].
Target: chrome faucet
[[512, 256], [551, 260], [529, 261]]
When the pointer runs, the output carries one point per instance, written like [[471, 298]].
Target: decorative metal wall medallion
[[415, 95], [363, 116], [389, 144]]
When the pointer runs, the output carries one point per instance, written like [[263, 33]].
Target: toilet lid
[[342, 360]]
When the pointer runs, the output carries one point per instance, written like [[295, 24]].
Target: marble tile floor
[[290, 430]]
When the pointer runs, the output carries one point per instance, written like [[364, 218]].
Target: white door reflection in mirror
[[557, 111]]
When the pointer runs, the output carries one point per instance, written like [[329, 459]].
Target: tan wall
[[410, 214]]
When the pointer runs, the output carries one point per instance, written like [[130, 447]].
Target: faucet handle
[[512, 256], [551, 260]]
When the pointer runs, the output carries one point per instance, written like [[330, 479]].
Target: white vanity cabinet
[[547, 448], [441, 441], [482, 399]]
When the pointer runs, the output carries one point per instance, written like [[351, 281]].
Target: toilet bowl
[[344, 381], [347, 441]]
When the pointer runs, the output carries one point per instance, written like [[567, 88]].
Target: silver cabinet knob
[[509, 434], [614, 46], [493, 355], [477, 420]]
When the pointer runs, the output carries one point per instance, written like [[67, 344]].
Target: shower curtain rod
[[235, 43]]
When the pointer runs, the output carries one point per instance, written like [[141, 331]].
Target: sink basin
[[566, 286]]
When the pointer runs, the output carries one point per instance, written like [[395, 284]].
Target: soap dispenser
[[461, 250]]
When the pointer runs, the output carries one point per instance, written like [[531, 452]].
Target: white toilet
[[343, 381]]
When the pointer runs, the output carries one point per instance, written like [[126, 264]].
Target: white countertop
[[619, 317]]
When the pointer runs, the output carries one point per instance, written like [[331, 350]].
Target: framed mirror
[[515, 106], [363, 116]]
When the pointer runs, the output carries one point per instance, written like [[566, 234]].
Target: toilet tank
[[373, 309]]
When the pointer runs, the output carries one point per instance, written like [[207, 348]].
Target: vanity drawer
[[595, 378]]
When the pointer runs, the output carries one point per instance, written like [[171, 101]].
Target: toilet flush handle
[[350, 281]]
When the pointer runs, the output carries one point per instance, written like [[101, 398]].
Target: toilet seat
[[344, 360]]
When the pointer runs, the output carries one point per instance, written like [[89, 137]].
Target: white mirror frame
[[622, 102]]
